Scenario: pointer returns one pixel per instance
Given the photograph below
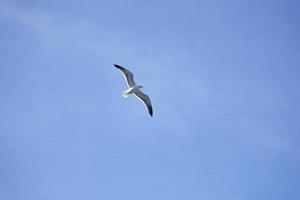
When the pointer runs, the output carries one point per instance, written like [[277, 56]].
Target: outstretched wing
[[127, 74], [146, 100]]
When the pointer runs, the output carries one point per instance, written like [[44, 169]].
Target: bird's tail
[[125, 94]]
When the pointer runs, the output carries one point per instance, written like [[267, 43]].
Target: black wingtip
[[119, 66], [151, 113]]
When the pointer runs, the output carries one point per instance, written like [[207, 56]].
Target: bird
[[134, 89]]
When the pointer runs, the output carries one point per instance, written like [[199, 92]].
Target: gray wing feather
[[146, 100], [127, 74]]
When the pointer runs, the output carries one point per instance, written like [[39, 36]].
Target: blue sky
[[223, 77]]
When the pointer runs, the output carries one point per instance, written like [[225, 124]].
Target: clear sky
[[224, 80]]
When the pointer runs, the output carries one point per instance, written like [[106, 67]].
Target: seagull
[[134, 89]]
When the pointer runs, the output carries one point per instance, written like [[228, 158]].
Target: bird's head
[[140, 86]]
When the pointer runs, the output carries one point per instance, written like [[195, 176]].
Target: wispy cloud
[[36, 20]]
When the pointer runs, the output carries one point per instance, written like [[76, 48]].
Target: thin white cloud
[[36, 20]]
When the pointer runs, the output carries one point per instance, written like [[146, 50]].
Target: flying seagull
[[134, 89]]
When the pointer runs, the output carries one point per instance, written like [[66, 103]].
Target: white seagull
[[134, 89]]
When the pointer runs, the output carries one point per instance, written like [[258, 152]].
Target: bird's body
[[131, 90], [135, 89]]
